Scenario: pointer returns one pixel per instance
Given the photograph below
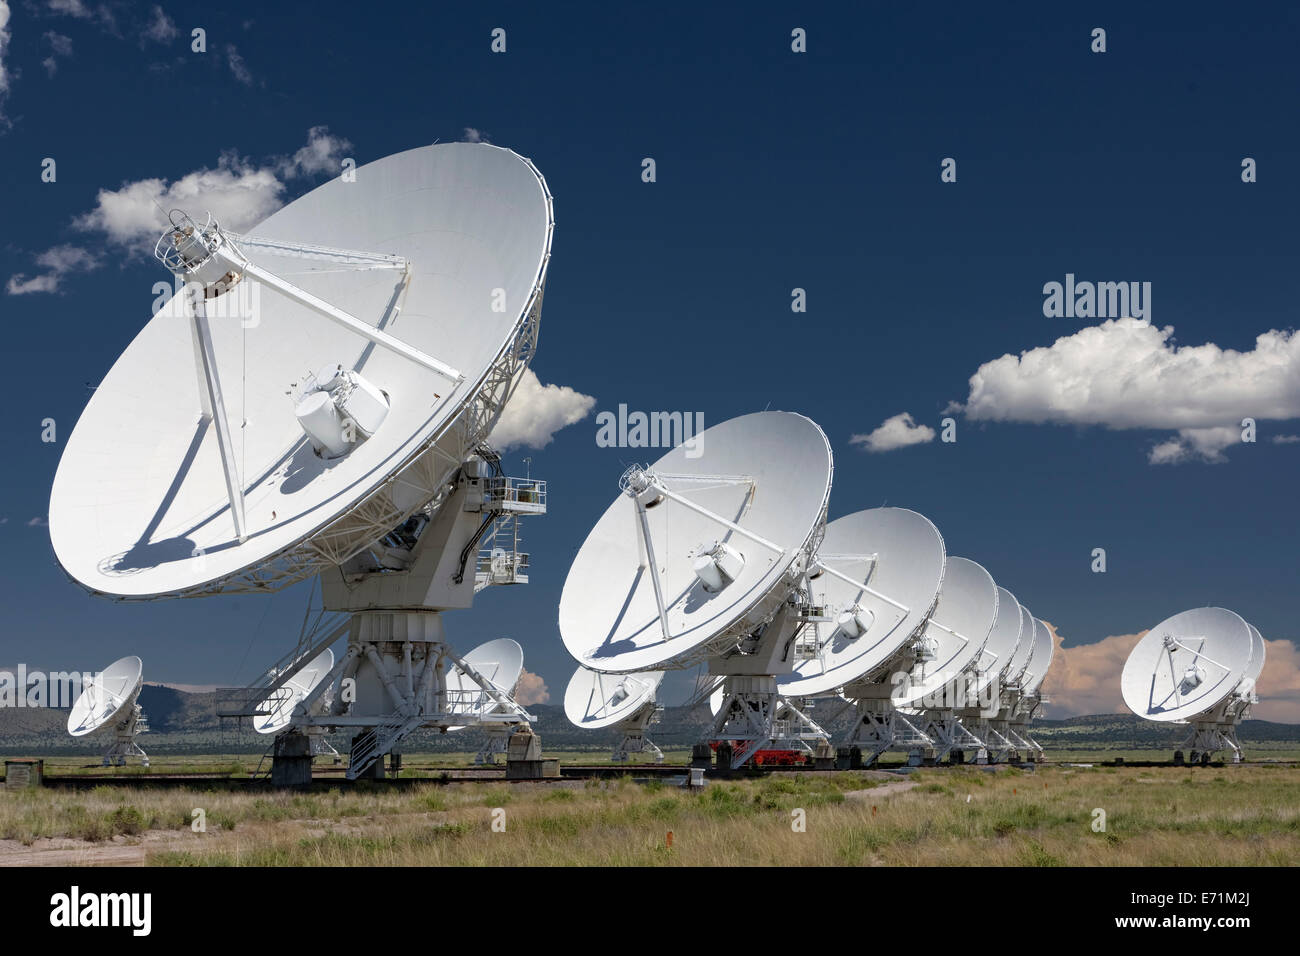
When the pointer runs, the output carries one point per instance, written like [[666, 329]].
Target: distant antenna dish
[[499, 663], [699, 550], [1041, 659], [954, 634], [109, 700], [250, 450], [877, 579], [276, 712], [1197, 667], [626, 702], [704, 557], [485, 695], [1187, 664], [1000, 649]]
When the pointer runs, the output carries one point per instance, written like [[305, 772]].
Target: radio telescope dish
[[279, 707], [500, 663], [107, 696], [1004, 639], [895, 559], [955, 632], [1257, 654], [1024, 650], [1040, 660], [702, 547], [109, 699], [1187, 665], [247, 451], [596, 701]]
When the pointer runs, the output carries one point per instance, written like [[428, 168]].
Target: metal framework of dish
[[1198, 667], [318, 399], [624, 702], [109, 699], [704, 558]]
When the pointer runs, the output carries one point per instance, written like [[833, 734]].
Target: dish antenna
[[316, 401], [109, 699], [983, 702], [877, 580], [1029, 696], [950, 645], [624, 702], [1198, 667], [483, 693], [704, 558]]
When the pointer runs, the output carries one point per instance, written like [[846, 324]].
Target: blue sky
[[775, 170]]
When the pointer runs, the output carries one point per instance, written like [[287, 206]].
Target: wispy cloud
[[160, 28], [237, 191], [531, 689], [472, 135], [896, 432], [238, 69]]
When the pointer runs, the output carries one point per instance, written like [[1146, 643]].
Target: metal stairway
[[379, 740]]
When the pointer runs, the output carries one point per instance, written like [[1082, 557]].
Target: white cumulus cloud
[[536, 412], [238, 192], [896, 432], [1128, 374]]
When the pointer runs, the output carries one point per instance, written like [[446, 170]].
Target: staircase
[[376, 742]]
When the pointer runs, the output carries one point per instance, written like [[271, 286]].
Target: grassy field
[[1154, 816]]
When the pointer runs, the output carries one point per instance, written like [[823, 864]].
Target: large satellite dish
[[1187, 664], [109, 699], [954, 633], [276, 712], [1041, 659], [107, 696], [216, 453], [319, 399], [885, 567], [700, 549], [500, 663], [1005, 637], [596, 701]]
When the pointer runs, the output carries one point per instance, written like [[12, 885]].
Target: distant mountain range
[[184, 722]]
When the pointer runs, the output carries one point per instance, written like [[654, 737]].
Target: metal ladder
[[376, 742]]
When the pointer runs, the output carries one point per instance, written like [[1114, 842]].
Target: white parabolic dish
[[280, 705], [999, 650], [609, 616], [1041, 659], [139, 506], [106, 696], [500, 662], [908, 569], [1015, 671], [1187, 664], [956, 631], [594, 700]]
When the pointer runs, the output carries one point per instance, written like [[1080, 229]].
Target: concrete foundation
[[291, 761]]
